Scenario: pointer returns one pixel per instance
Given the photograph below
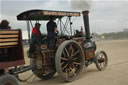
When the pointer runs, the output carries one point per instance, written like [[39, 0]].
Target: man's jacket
[[36, 36]]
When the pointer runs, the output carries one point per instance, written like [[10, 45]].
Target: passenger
[[36, 38], [4, 52], [4, 25], [51, 32], [36, 34]]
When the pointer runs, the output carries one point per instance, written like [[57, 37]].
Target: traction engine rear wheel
[[40, 75], [69, 60]]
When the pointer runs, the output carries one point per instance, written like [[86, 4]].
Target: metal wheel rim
[[32, 61], [71, 63], [102, 56], [8, 83]]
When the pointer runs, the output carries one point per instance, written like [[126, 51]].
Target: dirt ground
[[115, 74]]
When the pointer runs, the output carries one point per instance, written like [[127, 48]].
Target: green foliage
[[110, 36], [95, 36], [116, 35]]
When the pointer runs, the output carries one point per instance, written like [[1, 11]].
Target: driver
[[51, 32]]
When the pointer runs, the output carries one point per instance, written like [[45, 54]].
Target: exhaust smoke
[[80, 4]]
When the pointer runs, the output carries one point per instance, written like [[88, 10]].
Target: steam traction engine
[[68, 59], [71, 54]]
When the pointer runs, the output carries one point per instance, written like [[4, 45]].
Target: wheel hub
[[70, 61], [101, 60]]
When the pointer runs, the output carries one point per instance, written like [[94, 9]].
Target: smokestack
[[86, 24]]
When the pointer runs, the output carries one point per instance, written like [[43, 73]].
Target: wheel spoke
[[74, 66], [104, 63], [62, 63], [72, 51], [72, 71], [76, 58], [76, 63], [71, 48], [100, 65], [99, 57], [63, 54], [75, 53], [102, 55], [64, 66], [66, 51], [64, 59]]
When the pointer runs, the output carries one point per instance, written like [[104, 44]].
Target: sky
[[105, 15]]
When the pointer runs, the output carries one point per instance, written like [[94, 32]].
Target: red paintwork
[[11, 64], [16, 54], [91, 55]]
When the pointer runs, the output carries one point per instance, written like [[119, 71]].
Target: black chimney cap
[[85, 12]]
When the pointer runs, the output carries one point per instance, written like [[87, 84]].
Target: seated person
[[36, 38], [36, 34], [51, 33], [4, 25]]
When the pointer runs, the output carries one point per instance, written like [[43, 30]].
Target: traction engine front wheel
[[101, 60]]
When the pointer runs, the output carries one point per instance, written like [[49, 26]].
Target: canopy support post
[[70, 25], [28, 29], [60, 25]]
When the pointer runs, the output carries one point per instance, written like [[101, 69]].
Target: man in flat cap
[[36, 34], [36, 38]]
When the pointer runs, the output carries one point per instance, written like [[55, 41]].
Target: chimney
[[86, 24]]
